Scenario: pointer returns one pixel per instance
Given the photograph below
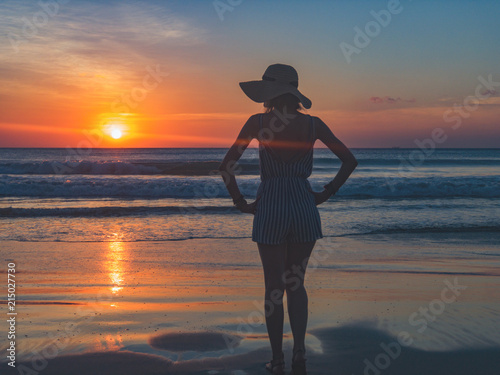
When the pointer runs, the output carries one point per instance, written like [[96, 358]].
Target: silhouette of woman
[[286, 221]]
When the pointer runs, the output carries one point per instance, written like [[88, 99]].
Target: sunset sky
[[165, 73]]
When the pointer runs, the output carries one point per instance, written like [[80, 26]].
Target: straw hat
[[278, 79]]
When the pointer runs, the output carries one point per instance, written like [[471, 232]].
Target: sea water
[[176, 193]]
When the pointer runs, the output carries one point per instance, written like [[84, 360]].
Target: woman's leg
[[296, 263], [273, 262]]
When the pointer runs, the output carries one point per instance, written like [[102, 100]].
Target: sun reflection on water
[[115, 265]]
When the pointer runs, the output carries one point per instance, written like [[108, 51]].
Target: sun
[[116, 133], [116, 126]]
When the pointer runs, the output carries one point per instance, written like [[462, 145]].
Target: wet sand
[[173, 307], [346, 350]]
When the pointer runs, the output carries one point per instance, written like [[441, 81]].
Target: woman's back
[[287, 134], [286, 210], [286, 150]]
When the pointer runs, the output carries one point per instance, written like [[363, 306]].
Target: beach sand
[[377, 305]]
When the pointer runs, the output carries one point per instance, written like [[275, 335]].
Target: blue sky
[[425, 60]]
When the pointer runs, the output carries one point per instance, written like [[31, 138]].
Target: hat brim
[[262, 91]]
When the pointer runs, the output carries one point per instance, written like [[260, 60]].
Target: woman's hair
[[287, 100]]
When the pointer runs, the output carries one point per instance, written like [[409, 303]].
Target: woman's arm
[[349, 162], [228, 167]]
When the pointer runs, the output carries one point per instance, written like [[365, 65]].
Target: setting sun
[[116, 126], [116, 133]]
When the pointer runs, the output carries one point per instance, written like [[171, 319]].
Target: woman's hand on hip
[[320, 197], [248, 208]]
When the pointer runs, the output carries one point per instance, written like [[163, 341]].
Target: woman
[[286, 224]]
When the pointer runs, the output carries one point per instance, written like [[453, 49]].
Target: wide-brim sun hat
[[278, 79]]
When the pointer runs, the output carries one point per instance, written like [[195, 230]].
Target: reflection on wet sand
[[114, 265]]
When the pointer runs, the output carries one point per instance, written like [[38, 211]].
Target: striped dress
[[286, 209]]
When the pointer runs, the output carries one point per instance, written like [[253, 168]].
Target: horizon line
[[325, 148]]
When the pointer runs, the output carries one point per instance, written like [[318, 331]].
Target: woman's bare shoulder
[[319, 121], [320, 128], [253, 121], [254, 117], [251, 127]]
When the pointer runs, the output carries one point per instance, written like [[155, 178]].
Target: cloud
[[88, 49], [390, 100], [486, 98]]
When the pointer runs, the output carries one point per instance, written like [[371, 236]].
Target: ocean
[[175, 193], [128, 245]]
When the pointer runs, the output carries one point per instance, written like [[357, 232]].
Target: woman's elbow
[[351, 163]]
